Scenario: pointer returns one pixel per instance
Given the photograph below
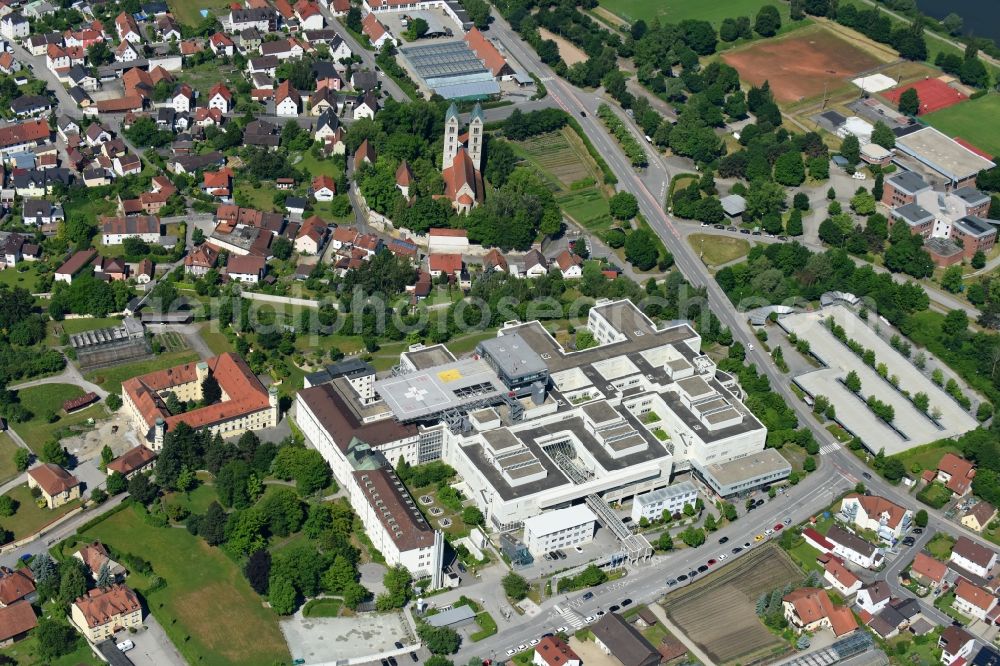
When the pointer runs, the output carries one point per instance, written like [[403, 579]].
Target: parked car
[[399, 645], [737, 550], [588, 596], [126, 645], [671, 582], [626, 602], [681, 578], [702, 569], [414, 658], [778, 526], [712, 562], [724, 540]]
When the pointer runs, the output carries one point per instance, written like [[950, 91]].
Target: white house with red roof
[[183, 98], [570, 265], [324, 188], [955, 473], [221, 44], [220, 97], [973, 601], [127, 28], [376, 33], [553, 651], [840, 577], [878, 514]]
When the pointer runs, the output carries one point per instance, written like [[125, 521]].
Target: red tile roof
[[449, 233], [53, 479], [404, 176], [134, 459], [813, 604], [554, 652], [94, 555], [102, 606], [15, 585], [321, 182], [928, 567], [462, 172], [33, 130], [203, 256], [875, 506], [17, 619], [486, 52], [976, 596], [446, 263], [835, 567], [372, 27], [960, 470]]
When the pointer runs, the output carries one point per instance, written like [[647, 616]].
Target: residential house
[[873, 597], [218, 183], [283, 49], [96, 558], [262, 134], [810, 609], [144, 272], [972, 557], [309, 15], [928, 571], [898, 614], [57, 485], [247, 269], [840, 577], [128, 164], [323, 188], [878, 514], [570, 265], [979, 516], [344, 237], [101, 613], [956, 473], [295, 205], [127, 29], [219, 97], [955, 643], [201, 260], [311, 236], [376, 33], [40, 212], [14, 26], [114, 230], [616, 637], [286, 100], [326, 125], [445, 264], [404, 179], [74, 265], [535, 264], [366, 105], [16, 620], [183, 98], [110, 268], [553, 651], [8, 64], [973, 601], [264, 19], [853, 548], [167, 28], [221, 44], [364, 155], [30, 105], [16, 585], [56, 58], [132, 462], [126, 52]]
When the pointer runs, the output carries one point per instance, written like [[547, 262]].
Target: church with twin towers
[[461, 161]]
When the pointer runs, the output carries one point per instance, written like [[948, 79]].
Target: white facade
[[672, 499], [219, 102], [14, 27], [181, 103], [872, 603], [118, 239], [287, 107], [563, 528], [981, 566]]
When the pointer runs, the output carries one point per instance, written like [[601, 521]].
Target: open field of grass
[[717, 612], [187, 11], [209, 610], [940, 546], [681, 10], [920, 458], [215, 339], [261, 197], [27, 279], [322, 608], [111, 379], [7, 449], [717, 250], [46, 400], [25, 653], [965, 121], [28, 518]]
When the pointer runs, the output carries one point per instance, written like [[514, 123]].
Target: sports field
[[934, 94], [680, 10], [801, 65], [968, 121]]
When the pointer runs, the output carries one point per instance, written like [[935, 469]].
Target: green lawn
[[206, 75], [111, 379], [90, 208], [216, 340], [680, 10], [261, 197], [319, 167], [587, 207], [197, 500], [73, 326], [207, 608], [935, 495], [716, 250], [322, 608], [940, 546], [48, 399], [839, 433], [15, 278], [186, 11], [28, 518], [920, 458], [25, 653], [7, 449], [965, 120]]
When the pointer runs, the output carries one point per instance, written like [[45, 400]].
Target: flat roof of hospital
[[454, 385], [943, 154]]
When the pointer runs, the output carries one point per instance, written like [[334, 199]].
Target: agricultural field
[[803, 64], [718, 612], [208, 610], [716, 250], [680, 10], [965, 121], [563, 162]]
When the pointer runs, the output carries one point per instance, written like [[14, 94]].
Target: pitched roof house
[[57, 485], [956, 473], [809, 609]]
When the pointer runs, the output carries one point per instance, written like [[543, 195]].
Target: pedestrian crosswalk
[[571, 617], [828, 448]]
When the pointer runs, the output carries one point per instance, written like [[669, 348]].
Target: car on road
[[126, 645], [511, 652], [745, 231], [384, 662], [778, 527], [759, 538], [760, 502], [589, 619], [626, 602], [909, 541], [867, 475], [671, 582], [737, 550], [599, 613], [578, 549], [583, 114], [702, 569], [392, 661], [534, 641], [724, 540], [720, 226], [522, 647], [723, 556], [788, 521], [758, 233], [682, 578], [414, 658], [712, 562], [747, 544], [561, 630], [399, 645], [588, 596], [769, 531]]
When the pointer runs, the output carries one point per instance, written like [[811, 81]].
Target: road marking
[[832, 447]]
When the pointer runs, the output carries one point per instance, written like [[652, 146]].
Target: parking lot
[[341, 638], [152, 647]]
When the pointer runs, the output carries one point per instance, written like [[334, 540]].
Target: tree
[[472, 516], [909, 102], [355, 594], [693, 536], [793, 227], [281, 247], [920, 519], [800, 202], [515, 586], [439, 640], [789, 169], [211, 392], [883, 136], [8, 505], [809, 464], [282, 595], [852, 382], [953, 23], [893, 469], [72, 580], [710, 524], [665, 541], [951, 280], [22, 459], [107, 455], [55, 639], [232, 484], [258, 570], [764, 197], [850, 149], [53, 452], [339, 576], [213, 525], [163, 296], [116, 484], [142, 490], [641, 250], [768, 21], [624, 206]]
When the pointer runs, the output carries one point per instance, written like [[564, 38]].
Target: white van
[[126, 645]]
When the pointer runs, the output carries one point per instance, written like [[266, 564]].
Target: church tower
[[476, 136], [450, 136]]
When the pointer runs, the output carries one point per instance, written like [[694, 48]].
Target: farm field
[[563, 162], [208, 610], [718, 612], [965, 121], [803, 64], [680, 10], [717, 250]]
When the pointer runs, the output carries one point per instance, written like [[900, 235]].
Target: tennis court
[[934, 95]]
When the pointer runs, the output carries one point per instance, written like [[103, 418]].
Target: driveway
[[152, 646]]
